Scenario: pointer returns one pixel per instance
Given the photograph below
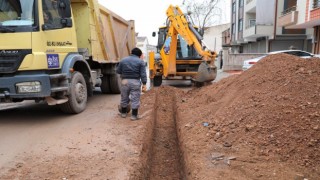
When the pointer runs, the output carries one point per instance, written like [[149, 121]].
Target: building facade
[[303, 14], [212, 37], [255, 27]]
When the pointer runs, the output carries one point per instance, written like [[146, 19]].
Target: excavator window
[[161, 38], [166, 47], [184, 51]]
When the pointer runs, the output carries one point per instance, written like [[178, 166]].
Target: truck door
[[58, 37]]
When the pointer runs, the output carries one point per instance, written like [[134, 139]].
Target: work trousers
[[130, 91]]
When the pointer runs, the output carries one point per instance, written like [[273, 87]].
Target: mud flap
[[206, 73]]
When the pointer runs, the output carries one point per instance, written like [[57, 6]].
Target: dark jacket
[[132, 67]]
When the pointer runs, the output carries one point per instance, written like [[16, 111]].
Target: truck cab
[[58, 51]]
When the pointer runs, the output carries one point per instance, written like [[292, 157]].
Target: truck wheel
[[115, 83], [157, 81], [105, 84], [78, 95]]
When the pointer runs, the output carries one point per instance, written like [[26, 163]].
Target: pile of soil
[[266, 120]]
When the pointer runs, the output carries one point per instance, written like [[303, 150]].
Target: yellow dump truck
[[58, 51]]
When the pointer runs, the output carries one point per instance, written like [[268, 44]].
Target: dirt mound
[[273, 109]]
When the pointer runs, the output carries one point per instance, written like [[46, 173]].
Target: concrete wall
[[234, 62], [265, 12]]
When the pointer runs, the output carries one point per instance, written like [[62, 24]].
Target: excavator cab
[[183, 52]]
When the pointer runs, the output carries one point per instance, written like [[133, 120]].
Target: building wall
[[265, 11], [315, 14], [301, 8], [316, 48], [255, 47], [235, 61], [213, 37], [308, 7], [143, 45], [280, 8]]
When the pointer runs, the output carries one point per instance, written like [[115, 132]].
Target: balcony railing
[[316, 4], [293, 8], [288, 19], [258, 30]]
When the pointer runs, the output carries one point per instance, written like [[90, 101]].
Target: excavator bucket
[[206, 73]]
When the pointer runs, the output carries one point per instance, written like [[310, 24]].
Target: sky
[[149, 15]]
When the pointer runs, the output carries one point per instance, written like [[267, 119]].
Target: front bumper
[[8, 88]]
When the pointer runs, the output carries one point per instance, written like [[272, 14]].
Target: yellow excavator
[[181, 52]]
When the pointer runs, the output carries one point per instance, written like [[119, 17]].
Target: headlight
[[28, 87]]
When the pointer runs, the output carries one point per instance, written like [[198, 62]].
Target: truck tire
[[105, 84], [115, 83], [157, 81], [78, 95]]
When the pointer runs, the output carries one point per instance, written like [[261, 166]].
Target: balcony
[[288, 17], [259, 30], [250, 6]]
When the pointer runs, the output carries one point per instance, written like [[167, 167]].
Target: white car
[[250, 62]]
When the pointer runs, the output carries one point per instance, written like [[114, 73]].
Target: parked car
[[303, 54]]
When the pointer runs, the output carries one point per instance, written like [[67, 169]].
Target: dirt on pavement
[[260, 124]]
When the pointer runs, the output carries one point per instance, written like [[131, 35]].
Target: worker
[[47, 17], [133, 72]]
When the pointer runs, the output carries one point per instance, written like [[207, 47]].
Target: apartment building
[[255, 28], [303, 14]]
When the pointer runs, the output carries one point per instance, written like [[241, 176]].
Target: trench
[[165, 160]]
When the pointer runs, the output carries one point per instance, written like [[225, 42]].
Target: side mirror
[[66, 22], [153, 34]]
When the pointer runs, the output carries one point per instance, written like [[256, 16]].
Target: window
[[234, 7], [16, 13], [252, 22], [51, 14], [240, 3], [233, 30], [184, 51], [240, 25], [299, 53]]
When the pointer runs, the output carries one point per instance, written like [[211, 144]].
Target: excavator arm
[[180, 25]]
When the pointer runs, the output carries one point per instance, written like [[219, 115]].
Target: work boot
[[134, 115], [123, 112]]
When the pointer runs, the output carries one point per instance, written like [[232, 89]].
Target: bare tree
[[203, 13]]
